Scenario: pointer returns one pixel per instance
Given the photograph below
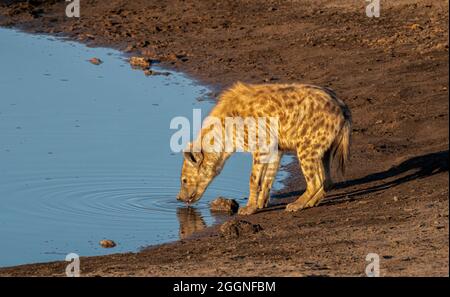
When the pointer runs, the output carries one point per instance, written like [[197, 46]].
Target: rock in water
[[149, 72], [107, 243], [140, 62], [95, 61], [222, 204], [237, 228]]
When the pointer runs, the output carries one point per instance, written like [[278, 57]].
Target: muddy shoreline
[[391, 71]]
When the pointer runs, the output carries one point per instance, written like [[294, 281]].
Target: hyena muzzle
[[312, 122]]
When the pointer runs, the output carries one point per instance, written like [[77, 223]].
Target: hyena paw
[[247, 210], [311, 203], [295, 206]]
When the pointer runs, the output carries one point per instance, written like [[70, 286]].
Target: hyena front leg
[[267, 181], [315, 175], [256, 180]]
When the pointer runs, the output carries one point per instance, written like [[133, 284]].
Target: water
[[85, 155]]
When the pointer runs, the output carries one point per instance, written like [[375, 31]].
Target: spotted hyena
[[312, 122]]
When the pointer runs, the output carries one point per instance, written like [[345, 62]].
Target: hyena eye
[[184, 180]]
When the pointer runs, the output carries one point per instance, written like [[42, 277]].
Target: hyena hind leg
[[315, 176], [326, 162]]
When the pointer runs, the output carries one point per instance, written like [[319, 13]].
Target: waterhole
[[85, 153]]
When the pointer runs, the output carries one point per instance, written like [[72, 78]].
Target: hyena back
[[312, 122]]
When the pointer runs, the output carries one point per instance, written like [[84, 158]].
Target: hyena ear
[[195, 158]]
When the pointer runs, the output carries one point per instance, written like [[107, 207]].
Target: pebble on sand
[[237, 228], [416, 27], [222, 204], [107, 243]]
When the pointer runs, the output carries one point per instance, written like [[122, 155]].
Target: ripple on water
[[109, 201]]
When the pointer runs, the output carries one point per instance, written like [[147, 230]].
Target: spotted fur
[[312, 122]]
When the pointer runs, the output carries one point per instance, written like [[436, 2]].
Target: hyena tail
[[340, 149]]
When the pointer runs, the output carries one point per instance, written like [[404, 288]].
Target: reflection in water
[[190, 221]]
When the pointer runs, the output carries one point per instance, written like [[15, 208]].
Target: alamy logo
[[229, 134], [73, 9], [373, 8], [73, 268], [373, 268]]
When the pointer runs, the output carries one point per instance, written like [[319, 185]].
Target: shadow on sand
[[414, 168]]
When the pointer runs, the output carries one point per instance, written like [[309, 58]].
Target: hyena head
[[198, 171]]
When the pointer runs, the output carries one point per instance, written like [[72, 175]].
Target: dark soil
[[392, 71]]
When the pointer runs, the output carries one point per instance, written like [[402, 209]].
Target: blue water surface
[[85, 152]]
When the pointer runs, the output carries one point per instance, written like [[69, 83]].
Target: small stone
[[182, 57], [395, 198], [95, 61], [149, 72], [150, 53], [237, 228], [171, 57], [140, 62], [222, 204], [130, 48], [107, 243], [269, 79], [416, 27]]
